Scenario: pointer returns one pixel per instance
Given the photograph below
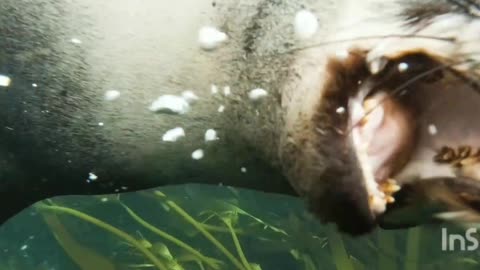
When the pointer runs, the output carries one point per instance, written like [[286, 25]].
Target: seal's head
[[385, 115]]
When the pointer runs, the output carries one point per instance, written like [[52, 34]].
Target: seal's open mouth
[[383, 134], [415, 119], [381, 125]]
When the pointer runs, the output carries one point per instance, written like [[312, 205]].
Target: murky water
[[204, 227]]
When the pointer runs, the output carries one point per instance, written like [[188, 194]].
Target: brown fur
[[319, 158]]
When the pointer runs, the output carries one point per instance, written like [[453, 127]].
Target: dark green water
[[205, 227]]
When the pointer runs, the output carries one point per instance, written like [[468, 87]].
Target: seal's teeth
[[465, 151], [462, 156], [464, 160], [389, 187], [369, 104], [391, 181], [390, 199], [373, 201], [445, 155], [363, 121], [392, 189], [377, 65], [469, 161]]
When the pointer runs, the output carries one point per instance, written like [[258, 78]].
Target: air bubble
[[402, 67], [173, 135], [257, 94], [305, 24], [5, 80], [211, 38], [198, 154], [210, 135]]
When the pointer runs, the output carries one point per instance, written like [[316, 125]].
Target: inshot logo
[[455, 242]]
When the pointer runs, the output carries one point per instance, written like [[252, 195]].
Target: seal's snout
[[320, 159], [374, 130]]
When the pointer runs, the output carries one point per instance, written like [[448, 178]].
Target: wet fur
[[280, 135]]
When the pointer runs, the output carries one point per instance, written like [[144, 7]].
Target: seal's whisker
[[338, 41], [460, 5], [468, 6], [475, 84], [400, 88]]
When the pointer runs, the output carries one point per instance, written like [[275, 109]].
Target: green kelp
[[208, 228], [83, 256], [107, 227]]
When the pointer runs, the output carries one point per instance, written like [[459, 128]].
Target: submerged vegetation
[[207, 228]]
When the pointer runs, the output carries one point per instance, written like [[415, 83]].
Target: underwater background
[[207, 227]]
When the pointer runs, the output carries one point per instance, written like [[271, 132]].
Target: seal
[[350, 109]]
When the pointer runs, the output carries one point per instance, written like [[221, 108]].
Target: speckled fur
[[53, 139]]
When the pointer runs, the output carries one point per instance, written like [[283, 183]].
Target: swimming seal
[[352, 114]]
